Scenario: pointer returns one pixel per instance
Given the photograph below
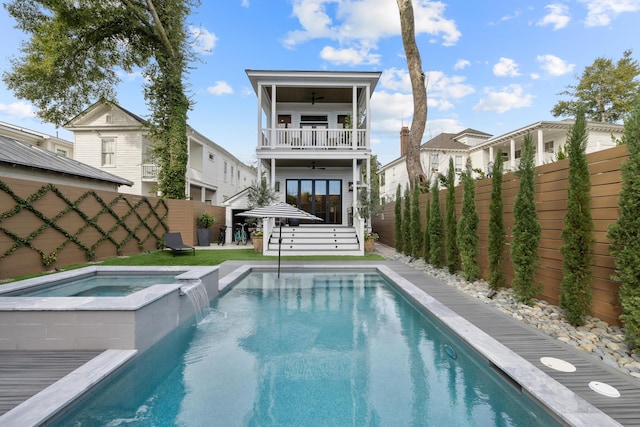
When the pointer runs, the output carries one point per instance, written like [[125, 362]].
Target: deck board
[[25, 373]]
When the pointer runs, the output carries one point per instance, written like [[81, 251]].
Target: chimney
[[404, 140]]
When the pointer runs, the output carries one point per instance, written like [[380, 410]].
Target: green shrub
[[577, 233], [526, 229], [451, 240], [398, 221], [468, 227], [436, 250], [496, 226], [426, 250], [416, 227], [625, 244]]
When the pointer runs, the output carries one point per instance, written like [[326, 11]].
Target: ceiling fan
[[315, 98], [313, 166]]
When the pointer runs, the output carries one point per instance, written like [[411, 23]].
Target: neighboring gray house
[[22, 160]]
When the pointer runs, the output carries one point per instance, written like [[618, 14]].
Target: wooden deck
[[25, 373]]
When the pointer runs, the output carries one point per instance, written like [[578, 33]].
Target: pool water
[[309, 349], [100, 285]]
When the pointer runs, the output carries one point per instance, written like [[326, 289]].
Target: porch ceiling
[[321, 95], [318, 163]]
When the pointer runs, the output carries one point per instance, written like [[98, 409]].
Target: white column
[[274, 118], [259, 121], [354, 120], [273, 174], [491, 155], [512, 155], [540, 148], [355, 185], [368, 118]]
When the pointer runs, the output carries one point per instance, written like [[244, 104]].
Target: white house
[[115, 140], [60, 146], [549, 137], [313, 145]]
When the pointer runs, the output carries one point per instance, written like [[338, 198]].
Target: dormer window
[[108, 119]]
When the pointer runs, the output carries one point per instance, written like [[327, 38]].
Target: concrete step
[[315, 240]]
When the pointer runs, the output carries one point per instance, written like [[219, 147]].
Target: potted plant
[[204, 232], [369, 241], [257, 239]]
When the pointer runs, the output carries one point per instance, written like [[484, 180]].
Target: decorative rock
[[595, 336]]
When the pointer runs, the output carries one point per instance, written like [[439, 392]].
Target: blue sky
[[492, 65]]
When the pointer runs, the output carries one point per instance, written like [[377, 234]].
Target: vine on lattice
[[89, 222]]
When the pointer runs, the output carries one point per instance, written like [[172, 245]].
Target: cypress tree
[[526, 229], [406, 222], [451, 240], [577, 233], [496, 226], [398, 220], [416, 228], [436, 250], [625, 244], [468, 227], [426, 250]]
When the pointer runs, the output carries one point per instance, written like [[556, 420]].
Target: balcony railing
[[150, 171], [314, 139]]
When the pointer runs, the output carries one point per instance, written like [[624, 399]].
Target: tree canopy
[[606, 90], [75, 53]]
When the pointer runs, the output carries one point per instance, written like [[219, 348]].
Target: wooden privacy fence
[[551, 185], [47, 226]]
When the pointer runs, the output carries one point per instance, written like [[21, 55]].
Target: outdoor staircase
[[315, 240]]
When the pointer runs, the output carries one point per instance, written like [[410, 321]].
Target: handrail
[[313, 139]]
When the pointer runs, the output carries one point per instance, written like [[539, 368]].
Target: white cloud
[[506, 67], [245, 3], [503, 100], [203, 41], [364, 22], [553, 65], [350, 56], [534, 76], [396, 79], [558, 16], [461, 64], [601, 12], [220, 88], [18, 110]]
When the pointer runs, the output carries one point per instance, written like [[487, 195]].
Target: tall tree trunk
[[419, 89]]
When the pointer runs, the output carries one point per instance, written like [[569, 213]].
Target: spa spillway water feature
[[78, 309]]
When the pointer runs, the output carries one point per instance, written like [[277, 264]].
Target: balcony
[[314, 139], [150, 171]]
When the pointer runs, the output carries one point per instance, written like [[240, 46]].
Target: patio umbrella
[[280, 210]]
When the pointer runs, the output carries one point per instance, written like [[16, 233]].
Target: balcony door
[[320, 197]]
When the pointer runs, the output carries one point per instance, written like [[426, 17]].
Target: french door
[[320, 197]]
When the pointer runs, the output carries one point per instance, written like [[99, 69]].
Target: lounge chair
[[173, 241]]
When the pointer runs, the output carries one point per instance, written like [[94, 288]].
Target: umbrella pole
[[279, 247]]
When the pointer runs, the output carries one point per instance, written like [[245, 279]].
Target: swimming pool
[[310, 348]]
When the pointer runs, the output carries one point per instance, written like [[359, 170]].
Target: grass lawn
[[215, 257]]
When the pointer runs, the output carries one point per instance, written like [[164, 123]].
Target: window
[[108, 151], [433, 160], [212, 157], [61, 152], [458, 163], [225, 171], [238, 181], [232, 174], [548, 147], [108, 119]]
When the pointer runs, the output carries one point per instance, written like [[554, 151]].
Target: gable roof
[[16, 152], [445, 141]]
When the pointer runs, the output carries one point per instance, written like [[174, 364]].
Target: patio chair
[[173, 241]]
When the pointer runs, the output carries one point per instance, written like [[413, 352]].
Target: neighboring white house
[[549, 137], [313, 145], [60, 146], [115, 140], [27, 161]]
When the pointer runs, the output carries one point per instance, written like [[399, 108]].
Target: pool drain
[[557, 364], [604, 389], [450, 351]]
